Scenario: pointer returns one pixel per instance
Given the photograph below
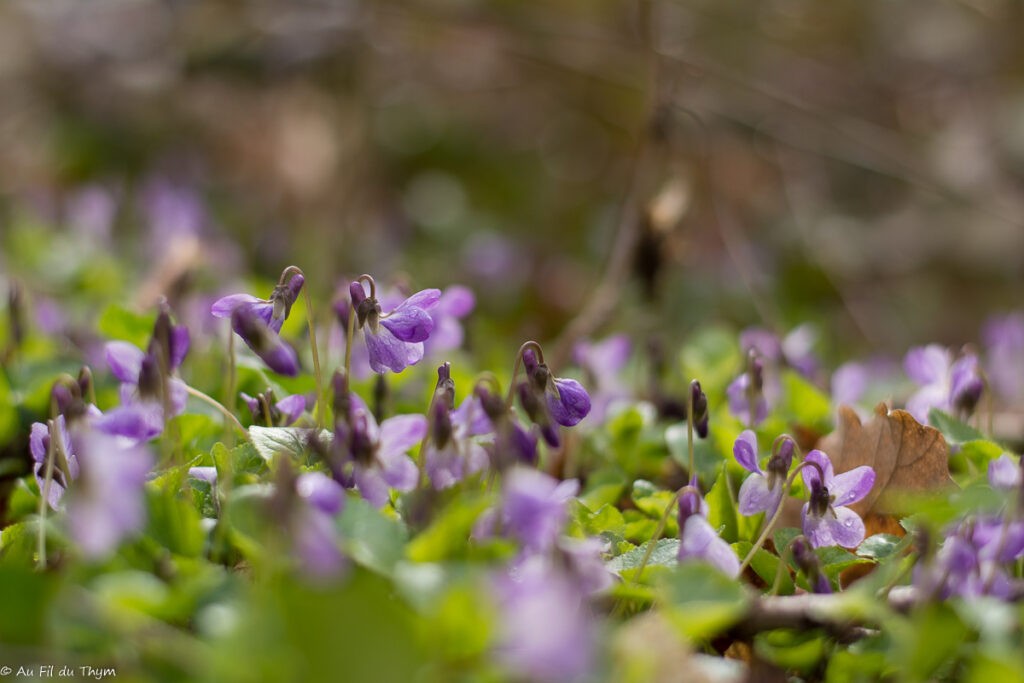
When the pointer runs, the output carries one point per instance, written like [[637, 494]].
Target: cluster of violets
[[978, 554], [92, 466], [946, 380]]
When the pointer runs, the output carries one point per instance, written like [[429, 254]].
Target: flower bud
[[699, 403]]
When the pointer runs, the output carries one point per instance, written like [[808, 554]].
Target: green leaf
[[665, 554], [291, 441], [461, 625], [605, 494], [371, 539], [26, 597], [953, 429], [118, 322], [847, 666], [706, 457], [174, 522], [8, 412], [700, 601], [835, 559], [805, 404], [607, 520], [783, 537], [927, 642], [881, 546], [799, 651], [448, 536], [766, 566], [134, 591], [980, 453]]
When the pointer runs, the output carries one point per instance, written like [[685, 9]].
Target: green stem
[[689, 437], [321, 406], [778, 513], [44, 500], [350, 334], [519, 362], [777, 584], [223, 411], [656, 536]]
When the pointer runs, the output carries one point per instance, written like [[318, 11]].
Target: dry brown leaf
[[907, 457]]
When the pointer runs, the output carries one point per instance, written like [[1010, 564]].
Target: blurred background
[[628, 165]]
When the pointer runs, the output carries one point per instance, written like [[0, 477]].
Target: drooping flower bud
[[699, 402], [285, 294], [271, 349], [781, 460], [444, 390], [809, 564]]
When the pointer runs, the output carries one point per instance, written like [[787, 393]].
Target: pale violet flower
[[826, 518], [697, 540]]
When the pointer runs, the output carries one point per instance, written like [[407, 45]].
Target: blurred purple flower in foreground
[[826, 519], [534, 508], [1004, 344], [951, 386], [314, 537], [697, 540], [545, 630], [107, 504]]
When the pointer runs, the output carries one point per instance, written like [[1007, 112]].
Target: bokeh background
[[651, 166]]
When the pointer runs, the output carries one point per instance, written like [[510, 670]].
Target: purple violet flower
[[108, 502], [762, 492], [273, 311], [740, 402], [697, 540], [826, 519], [512, 443], [258, 321], [456, 303], [951, 386], [394, 339], [603, 363], [282, 413], [39, 446], [376, 457], [144, 377], [452, 453], [808, 563], [567, 400], [1004, 473], [534, 508], [204, 473], [796, 349], [545, 631], [1004, 345], [314, 536]]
